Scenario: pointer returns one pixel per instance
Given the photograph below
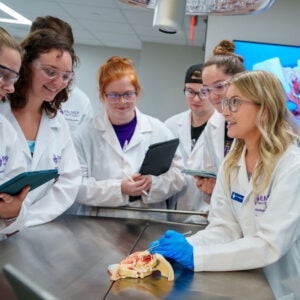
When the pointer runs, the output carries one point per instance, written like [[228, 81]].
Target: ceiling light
[[17, 18], [212, 7], [169, 16]]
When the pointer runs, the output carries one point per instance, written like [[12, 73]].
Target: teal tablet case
[[200, 173], [34, 179]]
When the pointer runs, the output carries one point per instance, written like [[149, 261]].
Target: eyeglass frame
[[117, 97], [44, 67], [205, 90], [9, 80], [199, 94], [227, 102]]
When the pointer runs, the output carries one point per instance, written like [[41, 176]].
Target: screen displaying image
[[282, 60]]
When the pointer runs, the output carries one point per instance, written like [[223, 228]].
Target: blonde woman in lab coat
[[254, 221], [46, 72], [113, 145], [11, 159]]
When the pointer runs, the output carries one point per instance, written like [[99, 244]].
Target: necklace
[[249, 174]]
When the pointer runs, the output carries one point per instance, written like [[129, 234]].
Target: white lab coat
[[77, 110], [190, 198], [213, 139], [257, 232], [103, 162], [53, 149], [12, 161]]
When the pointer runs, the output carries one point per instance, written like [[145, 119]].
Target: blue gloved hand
[[174, 245]]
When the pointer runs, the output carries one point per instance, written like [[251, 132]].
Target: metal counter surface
[[69, 257]]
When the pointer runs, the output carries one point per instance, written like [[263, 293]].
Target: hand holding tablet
[[33, 179]]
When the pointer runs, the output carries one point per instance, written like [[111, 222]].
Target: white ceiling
[[103, 23]]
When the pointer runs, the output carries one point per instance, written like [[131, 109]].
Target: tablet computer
[[33, 178], [159, 157], [200, 173]]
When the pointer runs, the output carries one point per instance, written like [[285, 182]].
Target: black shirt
[[196, 132]]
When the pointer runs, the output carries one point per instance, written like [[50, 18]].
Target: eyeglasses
[[8, 76], [234, 103], [116, 98], [52, 73], [191, 94], [218, 89]]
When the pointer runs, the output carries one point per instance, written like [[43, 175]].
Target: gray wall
[[162, 70], [162, 67], [280, 24]]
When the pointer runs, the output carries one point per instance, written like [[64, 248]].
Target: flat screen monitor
[[282, 60]]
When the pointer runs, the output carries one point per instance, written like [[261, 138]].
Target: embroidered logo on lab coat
[[72, 116], [3, 162], [237, 197], [56, 159], [260, 203]]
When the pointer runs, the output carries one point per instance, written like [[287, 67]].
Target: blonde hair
[[276, 124], [6, 40], [116, 68]]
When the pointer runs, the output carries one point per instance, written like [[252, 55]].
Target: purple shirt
[[124, 132]]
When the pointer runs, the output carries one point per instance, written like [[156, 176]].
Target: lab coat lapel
[[109, 134], [243, 182], [142, 126], [184, 131], [218, 134], [6, 111], [45, 134]]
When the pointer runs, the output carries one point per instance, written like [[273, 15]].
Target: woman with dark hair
[[45, 76], [78, 109]]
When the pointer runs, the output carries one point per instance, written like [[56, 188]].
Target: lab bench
[[69, 257]]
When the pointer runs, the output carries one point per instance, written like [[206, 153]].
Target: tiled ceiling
[[103, 23]]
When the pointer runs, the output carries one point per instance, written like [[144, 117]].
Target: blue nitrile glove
[[174, 245]]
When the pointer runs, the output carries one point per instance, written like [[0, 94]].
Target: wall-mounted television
[[282, 60]]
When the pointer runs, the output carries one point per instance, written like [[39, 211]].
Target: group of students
[[95, 160], [254, 205]]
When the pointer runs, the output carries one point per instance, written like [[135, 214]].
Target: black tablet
[[159, 157], [34, 179]]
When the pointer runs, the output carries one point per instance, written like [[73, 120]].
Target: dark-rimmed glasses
[[116, 98], [189, 93]]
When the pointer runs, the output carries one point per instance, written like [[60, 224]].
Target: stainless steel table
[[69, 257]]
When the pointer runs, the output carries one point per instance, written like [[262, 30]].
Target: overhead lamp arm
[[212, 7]]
